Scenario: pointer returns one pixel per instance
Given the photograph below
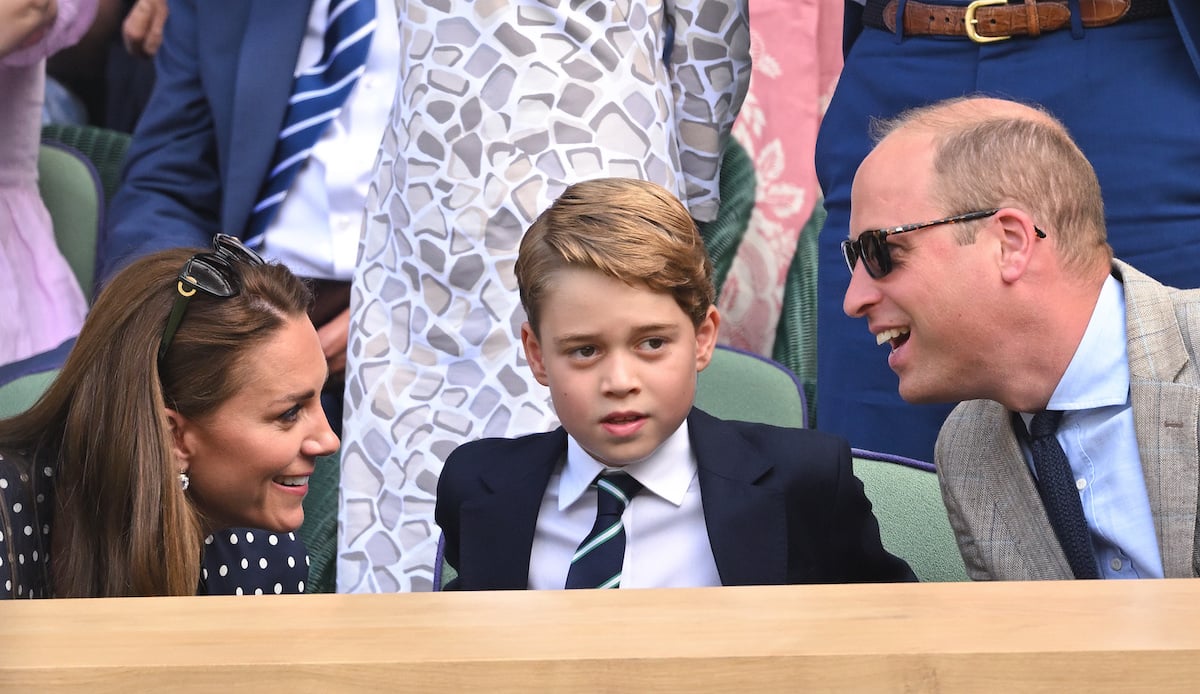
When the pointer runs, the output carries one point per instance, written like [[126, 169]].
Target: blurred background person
[[264, 122], [40, 299]]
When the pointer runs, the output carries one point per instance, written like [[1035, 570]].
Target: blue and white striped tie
[[317, 97]]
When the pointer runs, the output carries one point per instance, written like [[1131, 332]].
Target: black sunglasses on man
[[872, 248]]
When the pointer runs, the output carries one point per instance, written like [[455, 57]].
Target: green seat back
[[18, 395], [104, 148], [79, 170], [742, 386], [912, 520], [71, 191]]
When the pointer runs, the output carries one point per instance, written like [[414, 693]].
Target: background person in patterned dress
[[500, 106]]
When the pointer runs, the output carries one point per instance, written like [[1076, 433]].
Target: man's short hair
[[988, 155], [631, 230]]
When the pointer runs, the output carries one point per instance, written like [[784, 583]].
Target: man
[[1123, 75], [1008, 298], [205, 149]]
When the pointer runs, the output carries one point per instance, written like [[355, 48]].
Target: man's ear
[[706, 338], [179, 428], [533, 354], [1018, 239]]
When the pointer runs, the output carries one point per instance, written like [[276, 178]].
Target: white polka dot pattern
[[24, 559], [254, 562], [269, 562]]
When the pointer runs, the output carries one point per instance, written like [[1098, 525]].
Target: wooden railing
[[1013, 637]]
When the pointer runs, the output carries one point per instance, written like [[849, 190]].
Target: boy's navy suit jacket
[[781, 505]]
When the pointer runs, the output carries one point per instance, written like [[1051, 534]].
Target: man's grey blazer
[[990, 494]]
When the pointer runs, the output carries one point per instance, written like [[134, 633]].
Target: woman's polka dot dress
[[236, 561], [242, 561]]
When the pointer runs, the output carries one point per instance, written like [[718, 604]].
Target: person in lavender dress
[[41, 302]]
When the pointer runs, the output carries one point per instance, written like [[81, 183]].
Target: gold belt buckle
[[970, 21]]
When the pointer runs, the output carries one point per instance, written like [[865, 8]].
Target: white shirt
[[666, 538], [317, 227], [1098, 437]]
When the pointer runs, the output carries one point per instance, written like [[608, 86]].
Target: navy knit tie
[[597, 563], [318, 94], [1056, 486]]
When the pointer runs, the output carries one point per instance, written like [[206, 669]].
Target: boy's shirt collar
[[667, 472]]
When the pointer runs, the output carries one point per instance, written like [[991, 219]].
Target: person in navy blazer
[[206, 141], [617, 286], [203, 145], [1122, 75]]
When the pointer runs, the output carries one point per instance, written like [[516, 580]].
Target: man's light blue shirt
[[1098, 437]]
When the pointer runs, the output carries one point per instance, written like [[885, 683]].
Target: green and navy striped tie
[[597, 562]]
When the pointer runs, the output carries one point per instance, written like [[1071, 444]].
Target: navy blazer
[[781, 505], [1187, 18], [205, 141]]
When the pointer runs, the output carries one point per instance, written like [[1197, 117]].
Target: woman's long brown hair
[[122, 525]]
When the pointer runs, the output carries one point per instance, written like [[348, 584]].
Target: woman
[[189, 404]]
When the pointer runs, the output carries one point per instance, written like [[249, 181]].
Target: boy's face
[[620, 362]]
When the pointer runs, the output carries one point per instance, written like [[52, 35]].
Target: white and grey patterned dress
[[501, 104]]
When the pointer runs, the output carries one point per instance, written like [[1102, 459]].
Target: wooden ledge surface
[[1037, 636]]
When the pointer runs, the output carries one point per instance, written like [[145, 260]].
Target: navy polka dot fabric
[[236, 561], [242, 561], [24, 528]]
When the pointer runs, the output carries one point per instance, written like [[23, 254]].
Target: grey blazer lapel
[[1166, 406], [1001, 526], [747, 523]]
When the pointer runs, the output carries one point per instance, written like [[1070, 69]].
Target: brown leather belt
[[984, 21]]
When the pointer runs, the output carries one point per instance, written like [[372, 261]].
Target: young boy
[[617, 287]]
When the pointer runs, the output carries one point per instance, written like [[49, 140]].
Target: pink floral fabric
[[796, 46]]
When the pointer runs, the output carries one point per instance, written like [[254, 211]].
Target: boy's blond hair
[[632, 230]]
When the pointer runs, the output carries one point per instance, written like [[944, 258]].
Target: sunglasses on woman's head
[[213, 273]]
